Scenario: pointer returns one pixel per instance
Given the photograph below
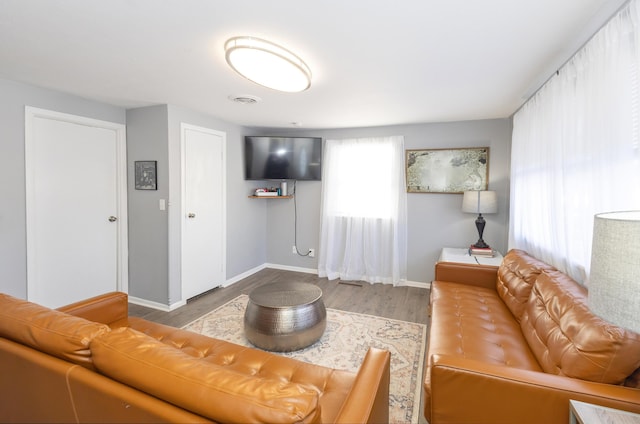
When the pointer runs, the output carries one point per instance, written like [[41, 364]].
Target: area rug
[[343, 346]]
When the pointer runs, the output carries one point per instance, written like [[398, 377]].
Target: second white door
[[203, 210]]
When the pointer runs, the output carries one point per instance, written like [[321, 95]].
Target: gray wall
[[14, 96], [154, 235], [258, 230], [434, 220], [148, 139]]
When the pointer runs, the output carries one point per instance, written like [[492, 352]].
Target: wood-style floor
[[401, 303]]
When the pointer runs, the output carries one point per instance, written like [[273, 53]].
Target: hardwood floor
[[401, 303]]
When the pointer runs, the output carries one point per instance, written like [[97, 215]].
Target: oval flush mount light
[[267, 64]]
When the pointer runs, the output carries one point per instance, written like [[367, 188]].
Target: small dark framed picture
[[146, 175]]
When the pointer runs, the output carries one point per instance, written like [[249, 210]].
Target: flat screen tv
[[282, 158]]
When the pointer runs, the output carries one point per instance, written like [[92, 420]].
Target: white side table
[[461, 255], [587, 413]]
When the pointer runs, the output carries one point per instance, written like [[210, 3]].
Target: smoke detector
[[245, 99]]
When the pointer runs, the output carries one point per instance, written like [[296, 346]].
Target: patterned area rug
[[346, 340]]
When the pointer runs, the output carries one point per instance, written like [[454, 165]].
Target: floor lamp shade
[[614, 280], [480, 202]]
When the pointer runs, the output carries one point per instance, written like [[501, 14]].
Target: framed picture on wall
[[146, 177], [447, 170]]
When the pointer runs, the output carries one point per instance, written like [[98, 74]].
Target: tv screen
[[282, 158]]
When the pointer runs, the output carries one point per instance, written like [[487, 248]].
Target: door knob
[[191, 215], [112, 218]]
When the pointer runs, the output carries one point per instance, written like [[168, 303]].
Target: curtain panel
[[575, 148], [363, 234]]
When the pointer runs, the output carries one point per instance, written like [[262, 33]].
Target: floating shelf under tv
[[270, 197]]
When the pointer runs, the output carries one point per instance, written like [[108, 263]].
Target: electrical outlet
[[312, 253], [294, 250]]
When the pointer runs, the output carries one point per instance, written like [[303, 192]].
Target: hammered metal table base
[[284, 317]]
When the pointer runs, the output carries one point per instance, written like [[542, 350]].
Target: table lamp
[[480, 202], [614, 280]]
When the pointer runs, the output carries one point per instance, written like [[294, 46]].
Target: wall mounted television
[[282, 158]]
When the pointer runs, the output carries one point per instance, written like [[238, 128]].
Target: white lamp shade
[[480, 202], [267, 64], [614, 280]]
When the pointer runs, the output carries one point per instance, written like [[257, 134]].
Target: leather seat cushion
[[223, 395], [568, 339], [474, 323], [56, 333]]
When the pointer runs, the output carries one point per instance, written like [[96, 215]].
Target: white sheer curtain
[[576, 148], [363, 230]]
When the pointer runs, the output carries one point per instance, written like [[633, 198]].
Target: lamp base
[[480, 244]]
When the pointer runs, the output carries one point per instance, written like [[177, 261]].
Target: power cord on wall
[[295, 221]]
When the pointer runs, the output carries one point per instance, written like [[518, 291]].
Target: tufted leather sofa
[[91, 362], [513, 344]]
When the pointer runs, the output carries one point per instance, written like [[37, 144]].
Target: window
[[363, 218]]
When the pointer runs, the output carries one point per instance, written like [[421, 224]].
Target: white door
[[203, 211], [76, 207]]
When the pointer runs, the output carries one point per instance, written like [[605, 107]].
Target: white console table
[[461, 255], [586, 413]]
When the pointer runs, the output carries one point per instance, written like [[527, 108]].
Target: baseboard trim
[[418, 284], [243, 275], [156, 305], [292, 268]]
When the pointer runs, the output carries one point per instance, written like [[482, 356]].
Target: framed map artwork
[[447, 170]]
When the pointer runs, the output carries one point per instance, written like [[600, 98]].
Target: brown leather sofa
[[513, 344], [91, 362]]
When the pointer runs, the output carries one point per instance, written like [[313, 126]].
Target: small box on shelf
[[270, 193]]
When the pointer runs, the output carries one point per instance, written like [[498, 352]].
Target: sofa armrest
[[368, 399], [106, 308], [465, 390], [474, 275]]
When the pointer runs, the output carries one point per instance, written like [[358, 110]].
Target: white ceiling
[[374, 62]]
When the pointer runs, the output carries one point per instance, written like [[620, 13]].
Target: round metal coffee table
[[285, 316]]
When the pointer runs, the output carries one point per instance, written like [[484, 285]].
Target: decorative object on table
[[480, 202], [343, 345], [614, 280], [146, 177], [479, 251], [447, 170]]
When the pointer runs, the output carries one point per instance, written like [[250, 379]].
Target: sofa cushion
[[568, 339], [516, 275], [472, 322], [53, 332], [167, 372]]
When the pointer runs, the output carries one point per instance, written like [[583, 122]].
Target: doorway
[[76, 207], [203, 222]]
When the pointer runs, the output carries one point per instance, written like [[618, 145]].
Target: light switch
[[163, 204]]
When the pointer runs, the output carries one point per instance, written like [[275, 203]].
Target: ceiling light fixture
[[267, 64]]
